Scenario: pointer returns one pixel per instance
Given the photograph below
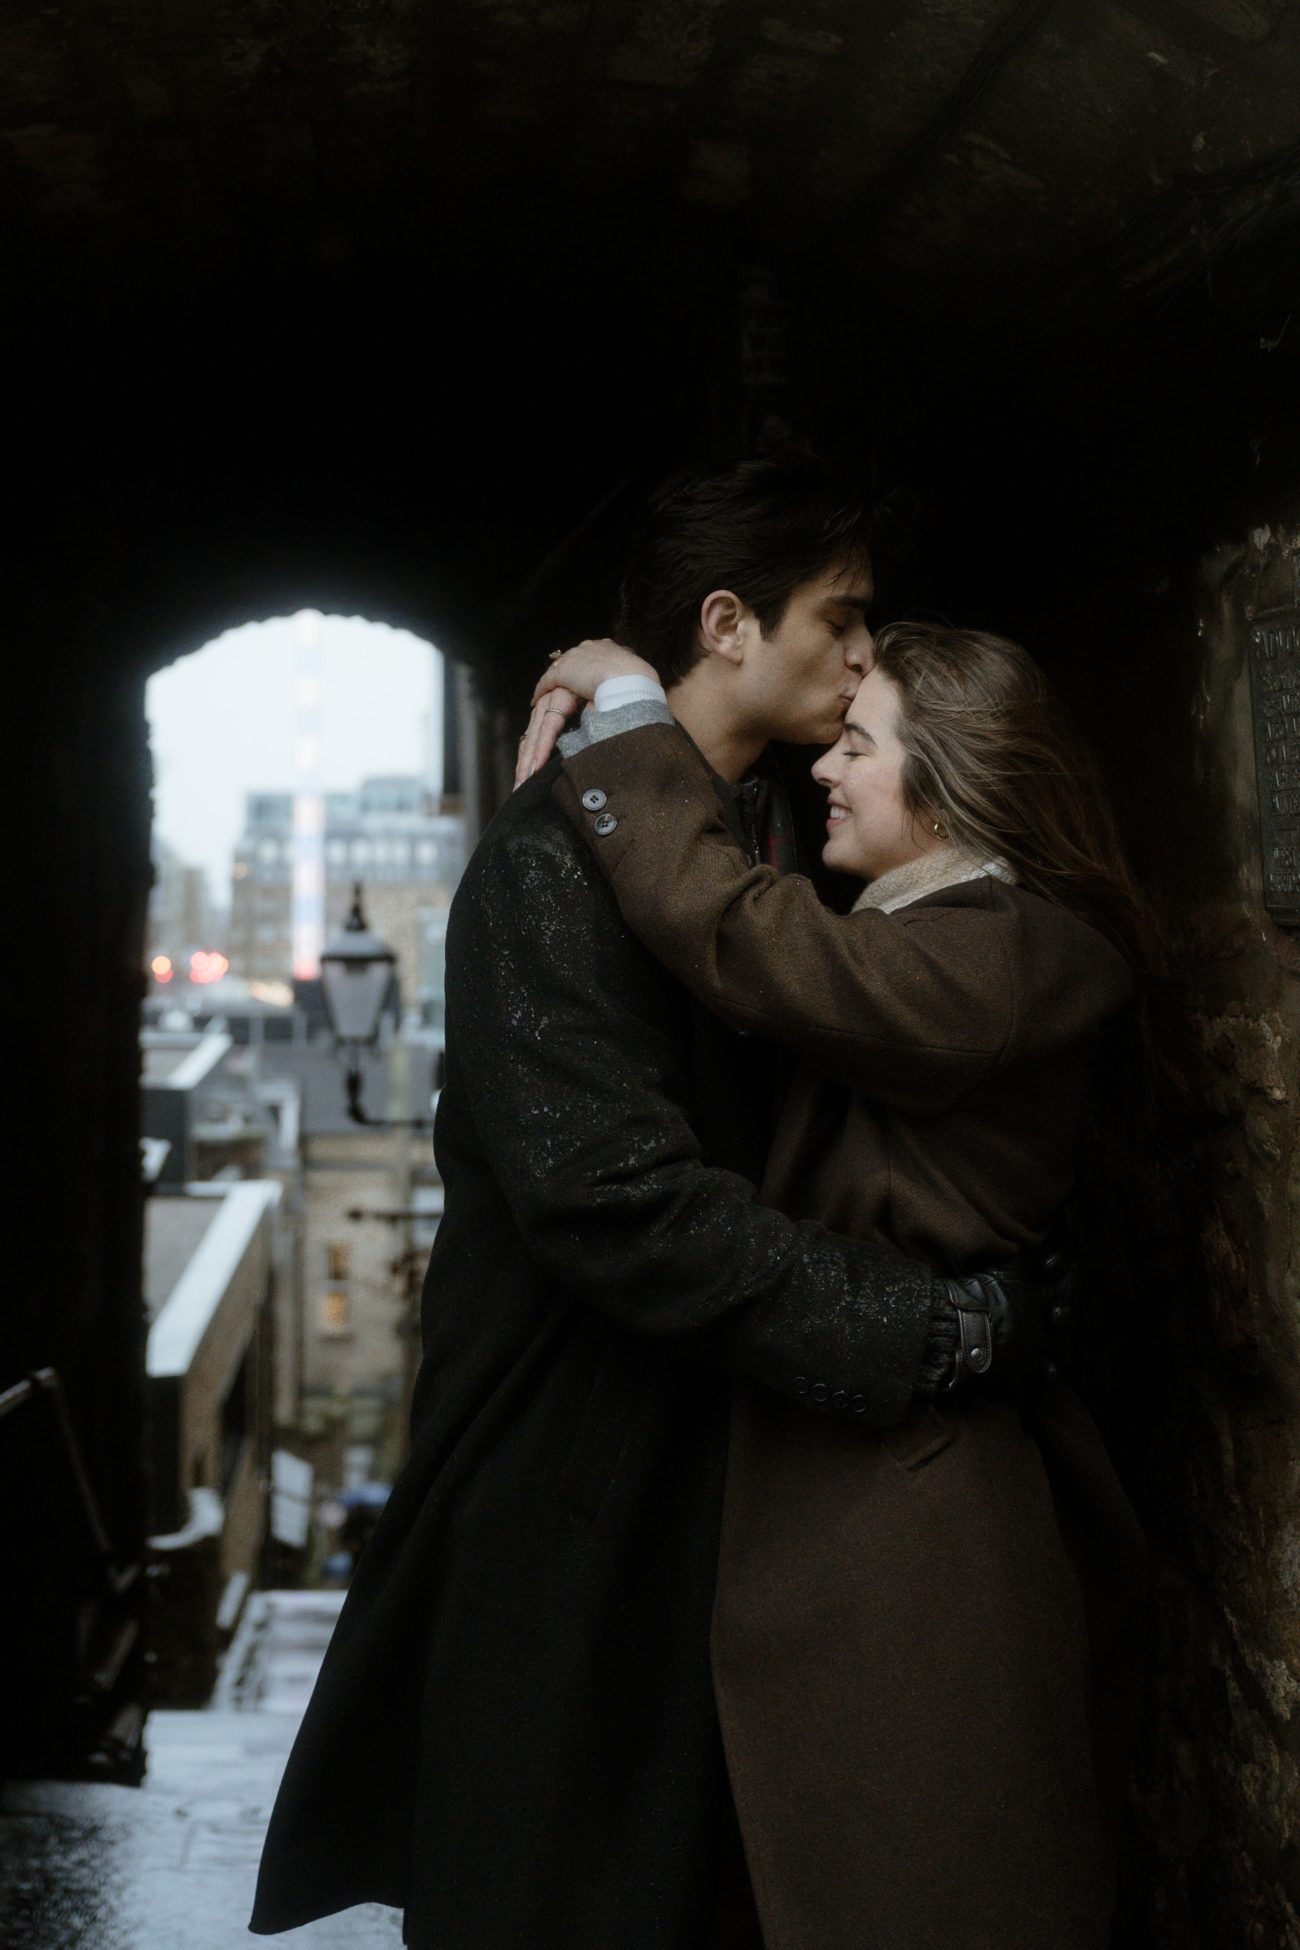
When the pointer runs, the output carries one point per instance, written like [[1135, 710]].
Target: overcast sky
[[222, 725]]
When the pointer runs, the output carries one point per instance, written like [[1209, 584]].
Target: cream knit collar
[[942, 866]]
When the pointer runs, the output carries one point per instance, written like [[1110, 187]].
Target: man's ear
[[726, 625]]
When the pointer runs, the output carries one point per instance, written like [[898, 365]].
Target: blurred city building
[[387, 834], [370, 1201], [182, 918], [239, 1087], [210, 1271], [197, 1099]]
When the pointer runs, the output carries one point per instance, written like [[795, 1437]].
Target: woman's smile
[[869, 826]]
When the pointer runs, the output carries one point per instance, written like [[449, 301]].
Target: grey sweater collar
[[943, 866]]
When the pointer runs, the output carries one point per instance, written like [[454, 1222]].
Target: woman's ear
[[929, 829], [723, 621]]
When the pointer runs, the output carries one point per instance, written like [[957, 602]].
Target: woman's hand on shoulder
[[584, 669], [544, 727], [571, 677]]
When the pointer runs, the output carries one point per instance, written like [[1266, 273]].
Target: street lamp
[[356, 968]]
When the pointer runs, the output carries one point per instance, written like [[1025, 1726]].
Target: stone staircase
[[171, 1865]]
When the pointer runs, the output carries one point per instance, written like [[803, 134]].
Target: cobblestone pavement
[[171, 1865]]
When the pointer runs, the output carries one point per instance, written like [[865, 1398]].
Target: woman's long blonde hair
[[992, 755]]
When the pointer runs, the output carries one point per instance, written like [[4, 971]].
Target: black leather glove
[[1002, 1323], [1012, 1321]]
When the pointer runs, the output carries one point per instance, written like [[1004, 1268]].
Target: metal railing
[[74, 1620]]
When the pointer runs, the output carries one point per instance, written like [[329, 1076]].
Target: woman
[[923, 1638]]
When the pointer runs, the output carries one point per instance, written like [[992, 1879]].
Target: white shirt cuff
[[618, 691]]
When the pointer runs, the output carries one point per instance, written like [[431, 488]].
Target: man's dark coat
[[514, 1736]]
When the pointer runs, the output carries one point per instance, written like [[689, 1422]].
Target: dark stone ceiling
[[964, 157], [371, 303]]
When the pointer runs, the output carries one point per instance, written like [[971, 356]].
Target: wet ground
[[171, 1865]]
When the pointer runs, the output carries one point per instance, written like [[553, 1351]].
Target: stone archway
[[397, 313]]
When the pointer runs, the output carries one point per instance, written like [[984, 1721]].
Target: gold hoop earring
[[938, 827]]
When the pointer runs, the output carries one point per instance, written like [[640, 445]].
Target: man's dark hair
[[757, 527]]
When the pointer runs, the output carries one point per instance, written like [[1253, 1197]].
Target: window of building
[[336, 1302], [336, 1311], [236, 1424]]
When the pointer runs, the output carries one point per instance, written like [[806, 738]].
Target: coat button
[[859, 1404], [840, 1399], [820, 1391], [605, 825], [593, 800], [801, 1384]]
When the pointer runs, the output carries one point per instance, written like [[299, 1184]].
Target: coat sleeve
[[912, 1013], [567, 1039]]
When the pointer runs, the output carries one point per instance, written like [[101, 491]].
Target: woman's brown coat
[[922, 1639]]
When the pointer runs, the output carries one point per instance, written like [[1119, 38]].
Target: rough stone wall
[[1219, 1787], [77, 767]]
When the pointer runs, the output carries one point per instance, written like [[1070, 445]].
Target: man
[[514, 1736]]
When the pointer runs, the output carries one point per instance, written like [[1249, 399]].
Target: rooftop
[[384, 799], [174, 1228]]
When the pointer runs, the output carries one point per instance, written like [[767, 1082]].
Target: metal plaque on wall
[[1275, 699]]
